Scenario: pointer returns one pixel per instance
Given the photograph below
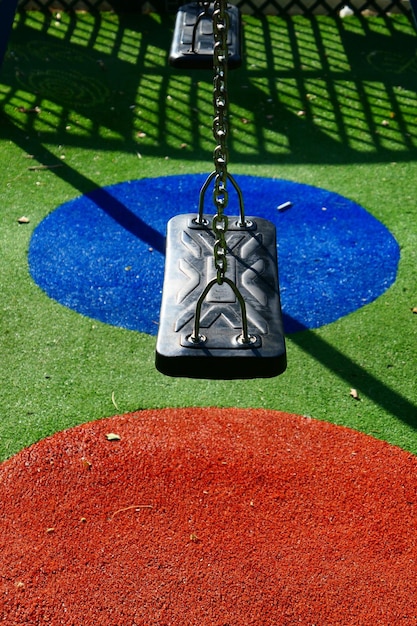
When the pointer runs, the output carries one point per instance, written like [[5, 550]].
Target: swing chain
[[220, 132], [220, 193]]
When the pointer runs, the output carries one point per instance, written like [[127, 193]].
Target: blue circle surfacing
[[102, 254]]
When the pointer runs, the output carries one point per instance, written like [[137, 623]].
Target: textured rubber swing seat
[[189, 268], [193, 39]]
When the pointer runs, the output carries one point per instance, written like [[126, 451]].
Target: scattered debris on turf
[[284, 206], [113, 437], [354, 394], [35, 168]]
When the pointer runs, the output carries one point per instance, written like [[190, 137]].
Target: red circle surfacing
[[217, 517]]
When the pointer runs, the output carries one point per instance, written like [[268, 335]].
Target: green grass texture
[[90, 100]]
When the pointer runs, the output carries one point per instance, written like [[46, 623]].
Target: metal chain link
[[220, 175], [220, 132]]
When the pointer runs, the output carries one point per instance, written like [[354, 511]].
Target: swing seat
[[220, 352], [193, 39]]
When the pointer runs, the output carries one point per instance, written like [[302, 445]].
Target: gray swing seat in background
[[193, 39]]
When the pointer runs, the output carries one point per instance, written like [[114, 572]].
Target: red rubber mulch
[[217, 517]]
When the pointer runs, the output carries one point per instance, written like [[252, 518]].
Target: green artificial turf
[[89, 100]]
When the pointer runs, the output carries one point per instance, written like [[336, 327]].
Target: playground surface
[[101, 142]]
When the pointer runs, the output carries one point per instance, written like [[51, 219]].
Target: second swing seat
[[193, 39]]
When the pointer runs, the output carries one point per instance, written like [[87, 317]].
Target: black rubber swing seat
[[193, 39], [220, 351]]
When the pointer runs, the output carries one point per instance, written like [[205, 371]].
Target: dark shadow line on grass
[[367, 384], [127, 219], [105, 201]]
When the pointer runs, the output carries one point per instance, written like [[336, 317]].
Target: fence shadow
[[317, 90]]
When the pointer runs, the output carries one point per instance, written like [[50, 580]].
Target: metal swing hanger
[[220, 312]]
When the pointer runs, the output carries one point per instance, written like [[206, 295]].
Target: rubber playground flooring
[[89, 101]]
